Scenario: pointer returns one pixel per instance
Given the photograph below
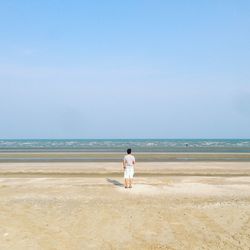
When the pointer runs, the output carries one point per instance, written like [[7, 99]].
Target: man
[[128, 166]]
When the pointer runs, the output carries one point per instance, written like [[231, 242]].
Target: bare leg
[[126, 183], [130, 182]]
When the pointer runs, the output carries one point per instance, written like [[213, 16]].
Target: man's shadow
[[115, 182]]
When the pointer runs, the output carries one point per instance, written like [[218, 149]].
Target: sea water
[[120, 145]]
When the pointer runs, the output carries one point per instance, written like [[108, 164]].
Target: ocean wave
[[161, 145]]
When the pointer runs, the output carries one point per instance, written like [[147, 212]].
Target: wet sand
[[14, 156], [173, 205]]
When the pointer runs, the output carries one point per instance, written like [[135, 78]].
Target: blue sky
[[125, 69]]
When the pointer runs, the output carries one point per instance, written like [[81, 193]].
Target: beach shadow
[[115, 182]]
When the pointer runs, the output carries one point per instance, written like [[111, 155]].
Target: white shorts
[[129, 173]]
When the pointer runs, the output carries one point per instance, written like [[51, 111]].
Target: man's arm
[[124, 164]]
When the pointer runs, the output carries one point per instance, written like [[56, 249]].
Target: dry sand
[[199, 205]]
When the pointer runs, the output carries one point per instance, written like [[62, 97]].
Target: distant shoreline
[[61, 156]]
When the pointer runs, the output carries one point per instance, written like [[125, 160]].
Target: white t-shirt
[[129, 160]]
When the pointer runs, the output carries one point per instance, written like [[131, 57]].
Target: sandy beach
[[173, 205], [90, 90]]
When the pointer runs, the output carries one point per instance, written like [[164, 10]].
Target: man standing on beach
[[128, 166]]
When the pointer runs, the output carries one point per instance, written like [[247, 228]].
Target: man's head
[[129, 151]]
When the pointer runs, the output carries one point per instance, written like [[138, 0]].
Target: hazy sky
[[125, 69]]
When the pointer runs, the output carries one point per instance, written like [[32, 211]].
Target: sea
[[120, 145]]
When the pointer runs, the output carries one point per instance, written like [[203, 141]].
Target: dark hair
[[129, 150]]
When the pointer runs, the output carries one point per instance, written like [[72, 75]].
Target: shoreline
[[118, 156]]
